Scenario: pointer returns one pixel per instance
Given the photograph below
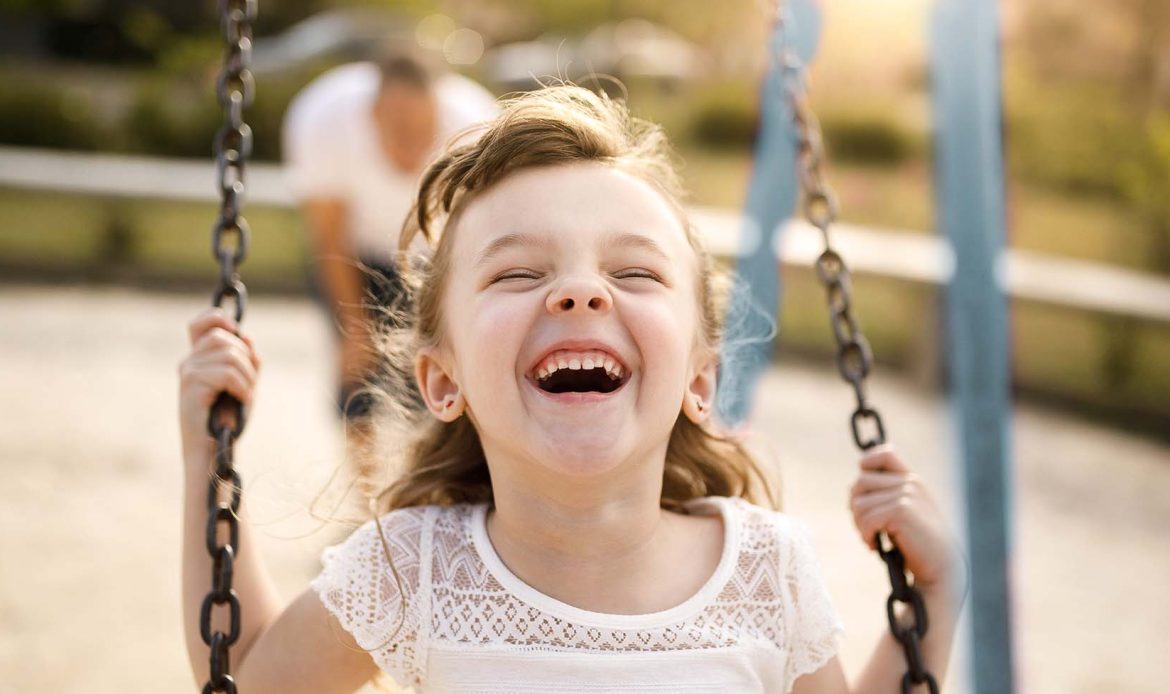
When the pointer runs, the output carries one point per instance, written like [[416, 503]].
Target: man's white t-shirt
[[332, 150]]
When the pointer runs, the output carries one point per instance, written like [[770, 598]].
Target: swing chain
[[854, 357], [235, 90]]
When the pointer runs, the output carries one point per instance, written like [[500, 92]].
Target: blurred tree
[[1089, 105], [1125, 42], [134, 31], [1149, 64], [1146, 181]]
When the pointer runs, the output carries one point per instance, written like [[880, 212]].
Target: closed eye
[[517, 275], [635, 273]]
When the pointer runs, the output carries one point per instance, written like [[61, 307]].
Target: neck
[[547, 517], [550, 530], [602, 543]]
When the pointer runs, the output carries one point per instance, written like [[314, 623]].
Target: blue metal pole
[[772, 192], [970, 197]]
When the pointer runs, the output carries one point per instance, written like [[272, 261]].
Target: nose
[[579, 295]]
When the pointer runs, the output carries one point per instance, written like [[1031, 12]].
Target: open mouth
[[587, 374], [595, 380]]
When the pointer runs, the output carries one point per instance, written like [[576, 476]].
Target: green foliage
[[724, 116], [868, 139], [1146, 179], [1146, 183], [165, 122], [190, 55], [40, 116], [172, 113], [1080, 137], [168, 119], [1073, 136], [267, 113]]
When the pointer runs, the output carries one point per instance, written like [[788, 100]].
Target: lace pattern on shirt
[[775, 594], [358, 587]]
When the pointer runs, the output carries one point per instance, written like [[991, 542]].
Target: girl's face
[[555, 270]]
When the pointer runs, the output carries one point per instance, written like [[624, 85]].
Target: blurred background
[[1086, 107], [95, 288]]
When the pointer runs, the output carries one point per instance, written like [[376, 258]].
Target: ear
[[699, 400], [439, 390]]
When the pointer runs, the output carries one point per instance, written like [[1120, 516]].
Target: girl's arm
[[887, 665], [888, 497], [305, 651], [294, 648]]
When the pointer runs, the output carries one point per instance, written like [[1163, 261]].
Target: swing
[[235, 90], [854, 357]]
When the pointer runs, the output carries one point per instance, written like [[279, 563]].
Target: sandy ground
[[89, 511]]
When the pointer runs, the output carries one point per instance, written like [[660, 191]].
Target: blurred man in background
[[355, 143]]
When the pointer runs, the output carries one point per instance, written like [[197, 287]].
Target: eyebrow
[[623, 240], [637, 241], [507, 241]]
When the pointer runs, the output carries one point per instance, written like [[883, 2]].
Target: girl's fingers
[[218, 339], [234, 358], [252, 351], [217, 377], [873, 481], [208, 319], [863, 503], [876, 519], [883, 458], [216, 348]]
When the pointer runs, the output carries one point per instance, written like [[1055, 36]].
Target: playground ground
[[90, 517]]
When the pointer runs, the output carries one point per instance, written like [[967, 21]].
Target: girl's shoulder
[[784, 544], [761, 530], [748, 514], [374, 584], [404, 529]]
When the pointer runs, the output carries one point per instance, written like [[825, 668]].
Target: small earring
[[699, 404]]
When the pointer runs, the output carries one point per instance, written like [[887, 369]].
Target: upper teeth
[[576, 361]]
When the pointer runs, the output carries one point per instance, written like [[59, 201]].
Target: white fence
[[901, 255]]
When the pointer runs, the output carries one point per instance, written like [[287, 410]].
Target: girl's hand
[[220, 360], [889, 497]]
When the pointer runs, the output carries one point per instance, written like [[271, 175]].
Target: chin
[[584, 456]]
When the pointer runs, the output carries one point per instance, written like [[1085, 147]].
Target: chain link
[[235, 89], [854, 357]]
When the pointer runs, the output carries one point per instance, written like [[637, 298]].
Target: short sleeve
[[813, 621], [376, 597]]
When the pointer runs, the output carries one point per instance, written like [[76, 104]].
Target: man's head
[[405, 111]]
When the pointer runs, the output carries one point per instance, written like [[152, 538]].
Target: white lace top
[[457, 620]]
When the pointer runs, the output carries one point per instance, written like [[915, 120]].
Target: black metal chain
[[854, 357], [233, 144]]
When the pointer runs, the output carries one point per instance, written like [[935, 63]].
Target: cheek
[[666, 333], [491, 333]]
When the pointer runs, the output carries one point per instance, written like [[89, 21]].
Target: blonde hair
[[427, 461]]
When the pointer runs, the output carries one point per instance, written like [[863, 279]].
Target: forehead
[[572, 206]]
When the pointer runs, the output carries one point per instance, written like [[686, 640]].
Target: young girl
[[567, 516]]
